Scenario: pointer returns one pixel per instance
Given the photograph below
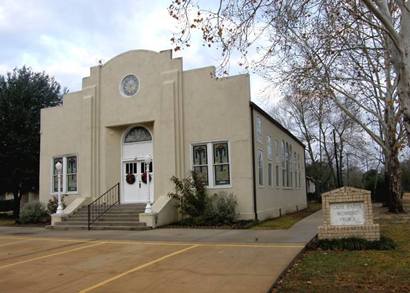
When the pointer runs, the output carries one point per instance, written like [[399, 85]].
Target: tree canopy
[[23, 93], [354, 53]]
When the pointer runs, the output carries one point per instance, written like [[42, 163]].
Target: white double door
[[135, 189]]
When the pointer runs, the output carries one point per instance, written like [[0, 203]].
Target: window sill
[[66, 193], [219, 186]]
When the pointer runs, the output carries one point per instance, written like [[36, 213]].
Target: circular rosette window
[[144, 177], [129, 85], [130, 178]]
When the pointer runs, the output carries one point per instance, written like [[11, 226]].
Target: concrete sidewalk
[[301, 232]]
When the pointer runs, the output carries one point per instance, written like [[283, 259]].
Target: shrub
[[384, 243], [53, 204], [221, 209], [201, 209], [191, 195], [6, 205], [34, 212]]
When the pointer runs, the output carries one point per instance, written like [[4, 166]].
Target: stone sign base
[[347, 212], [368, 232]]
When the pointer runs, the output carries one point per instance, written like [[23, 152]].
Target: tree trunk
[[393, 172], [17, 200]]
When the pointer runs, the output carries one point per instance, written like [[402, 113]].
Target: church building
[[140, 119]]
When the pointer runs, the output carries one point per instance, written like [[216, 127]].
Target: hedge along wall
[[6, 205]]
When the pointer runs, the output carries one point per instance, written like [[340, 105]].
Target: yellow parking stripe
[[46, 239], [13, 242], [50, 255], [210, 244], [137, 269]]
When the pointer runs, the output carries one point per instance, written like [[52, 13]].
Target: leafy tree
[[23, 93]]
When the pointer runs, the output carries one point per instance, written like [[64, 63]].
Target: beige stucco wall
[[275, 200], [179, 108], [65, 130], [91, 123], [218, 110]]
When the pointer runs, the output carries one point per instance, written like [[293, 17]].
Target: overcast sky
[[65, 38]]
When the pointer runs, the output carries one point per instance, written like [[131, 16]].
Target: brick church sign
[[347, 212]]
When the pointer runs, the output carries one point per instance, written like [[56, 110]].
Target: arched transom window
[[137, 134]]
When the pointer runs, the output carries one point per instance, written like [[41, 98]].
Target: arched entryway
[[136, 147]]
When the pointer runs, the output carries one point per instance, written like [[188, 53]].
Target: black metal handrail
[[103, 203]]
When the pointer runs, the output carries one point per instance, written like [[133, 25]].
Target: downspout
[[255, 208]]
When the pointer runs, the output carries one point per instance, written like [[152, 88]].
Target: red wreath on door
[[130, 178], [144, 177]]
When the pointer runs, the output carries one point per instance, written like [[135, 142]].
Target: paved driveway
[[65, 261]]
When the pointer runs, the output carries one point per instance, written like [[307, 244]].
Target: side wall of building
[[278, 191], [66, 131], [217, 110]]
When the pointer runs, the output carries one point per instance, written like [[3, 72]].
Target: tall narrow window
[[277, 162], [71, 173], [258, 129], [260, 167], [269, 148], [295, 170], [221, 163], [200, 161], [55, 178], [284, 182], [299, 171], [270, 175]]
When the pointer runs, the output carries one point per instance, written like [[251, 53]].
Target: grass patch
[[287, 221], [354, 271], [7, 219]]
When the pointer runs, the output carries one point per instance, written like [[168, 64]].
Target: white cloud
[[66, 38]]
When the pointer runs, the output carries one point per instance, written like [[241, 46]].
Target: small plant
[[384, 243], [53, 204], [34, 212], [191, 195]]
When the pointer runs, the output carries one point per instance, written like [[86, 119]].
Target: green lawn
[[287, 221], [6, 219], [354, 271]]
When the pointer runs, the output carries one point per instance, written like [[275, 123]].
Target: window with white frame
[[289, 165], [277, 162], [270, 174], [68, 175], [299, 171], [260, 167], [295, 170], [259, 129], [284, 151], [200, 161], [211, 160], [221, 163], [269, 148]]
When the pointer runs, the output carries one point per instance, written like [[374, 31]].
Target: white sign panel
[[351, 213]]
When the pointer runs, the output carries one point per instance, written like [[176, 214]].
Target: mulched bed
[[245, 224]]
